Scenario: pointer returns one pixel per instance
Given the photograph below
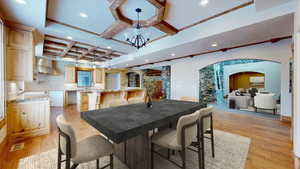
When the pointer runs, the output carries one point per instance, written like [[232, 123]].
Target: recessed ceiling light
[[203, 2], [21, 1], [146, 60], [127, 64], [108, 47], [83, 15], [69, 37], [172, 54], [214, 45]]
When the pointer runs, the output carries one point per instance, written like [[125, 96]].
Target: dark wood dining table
[[128, 126]]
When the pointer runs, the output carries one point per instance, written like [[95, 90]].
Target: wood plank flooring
[[270, 146]]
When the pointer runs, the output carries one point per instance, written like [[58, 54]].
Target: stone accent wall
[[207, 85]]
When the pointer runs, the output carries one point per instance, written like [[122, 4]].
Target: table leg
[[135, 153]]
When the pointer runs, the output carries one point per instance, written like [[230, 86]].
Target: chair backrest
[[66, 129], [206, 113], [188, 125], [265, 101], [190, 99]]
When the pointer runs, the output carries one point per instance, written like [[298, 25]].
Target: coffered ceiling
[[178, 14], [103, 25]]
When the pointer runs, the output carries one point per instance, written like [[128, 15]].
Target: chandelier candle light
[[138, 40]]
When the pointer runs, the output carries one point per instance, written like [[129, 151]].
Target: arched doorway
[[218, 80]]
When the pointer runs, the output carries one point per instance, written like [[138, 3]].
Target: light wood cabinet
[[28, 119], [19, 66], [70, 74], [99, 76], [19, 55]]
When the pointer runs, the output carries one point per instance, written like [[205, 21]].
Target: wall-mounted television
[[84, 78]]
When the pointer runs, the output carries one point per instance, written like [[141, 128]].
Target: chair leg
[[152, 156], [274, 111], [202, 147], [111, 158], [212, 144], [74, 166], [168, 154], [212, 137], [59, 159], [199, 152], [183, 157], [97, 164], [173, 152], [68, 163]]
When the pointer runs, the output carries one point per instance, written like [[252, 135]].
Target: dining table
[[128, 126]]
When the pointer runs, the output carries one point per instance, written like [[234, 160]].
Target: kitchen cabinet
[[28, 119], [99, 78], [70, 74], [20, 54], [82, 101]]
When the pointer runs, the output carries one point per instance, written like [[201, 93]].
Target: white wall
[[185, 72], [271, 70]]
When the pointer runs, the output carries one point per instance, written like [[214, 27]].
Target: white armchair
[[265, 101]]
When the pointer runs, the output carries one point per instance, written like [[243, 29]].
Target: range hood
[[46, 66]]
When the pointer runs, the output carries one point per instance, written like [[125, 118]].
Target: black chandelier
[[138, 40]]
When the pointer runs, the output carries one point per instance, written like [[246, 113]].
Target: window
[[84, 79], [2, 102]]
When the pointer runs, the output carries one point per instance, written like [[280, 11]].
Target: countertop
[[124, 122], [28, 96]]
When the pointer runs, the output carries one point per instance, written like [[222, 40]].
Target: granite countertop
[[124, 122], [30, 96]]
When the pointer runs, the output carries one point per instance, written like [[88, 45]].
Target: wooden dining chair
[[89, 149], [178, 140]]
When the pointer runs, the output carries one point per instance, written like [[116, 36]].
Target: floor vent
[[16, 147]]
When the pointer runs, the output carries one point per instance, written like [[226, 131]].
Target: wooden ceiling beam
[[68, 48], [53, 48], [122, 22], [87, 52], [80, 43], [48, 42], [273, 40]]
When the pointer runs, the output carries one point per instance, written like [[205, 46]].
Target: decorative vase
[[149, 102]]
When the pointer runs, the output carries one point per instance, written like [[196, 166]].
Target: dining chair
[[205, 128], [89, 149], [178, 140]]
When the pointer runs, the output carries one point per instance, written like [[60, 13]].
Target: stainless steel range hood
[[46, 66]]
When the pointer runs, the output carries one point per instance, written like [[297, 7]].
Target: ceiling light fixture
[[172, 54], [146, 60], [214, 45], [138, 40], [21, 1], [204, 2], [83, 15], [108, 47], [69, 37]]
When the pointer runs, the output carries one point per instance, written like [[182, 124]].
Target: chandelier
[[138, 40]]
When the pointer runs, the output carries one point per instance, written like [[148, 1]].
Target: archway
[[216, 81]]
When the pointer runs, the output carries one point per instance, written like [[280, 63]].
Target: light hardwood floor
[[270, 146]]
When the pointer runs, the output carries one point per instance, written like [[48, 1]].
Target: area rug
[[230, 153]]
